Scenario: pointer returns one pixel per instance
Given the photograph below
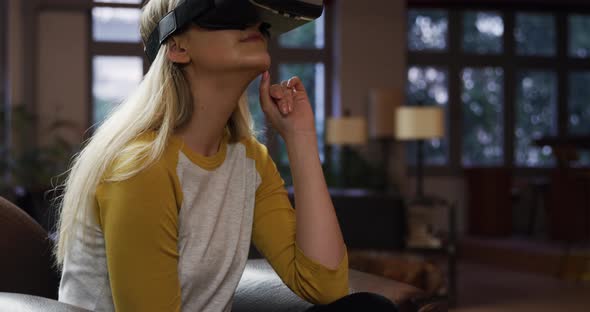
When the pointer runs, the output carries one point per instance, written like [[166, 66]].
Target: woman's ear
[[177, 52]]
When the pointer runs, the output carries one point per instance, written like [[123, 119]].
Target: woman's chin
[[259, 64]]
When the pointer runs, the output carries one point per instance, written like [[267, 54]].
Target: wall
[[15, 52], [370, 52], [48, 63], [63, 71], [370, 48]]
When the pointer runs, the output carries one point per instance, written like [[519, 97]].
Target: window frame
[[107, 48], [455, 60]]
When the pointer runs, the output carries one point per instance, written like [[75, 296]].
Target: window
[[301, 52], [536, 116], [115, 24], [579, 43], [482, 97], [117, 54], [579, 108], [428, 30], [578, 112], [506, 79], [429, 86], [113, 77], [535, 34], [483, 32]]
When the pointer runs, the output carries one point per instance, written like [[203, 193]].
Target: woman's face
[[226, 50]]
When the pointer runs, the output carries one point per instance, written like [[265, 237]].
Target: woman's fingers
[[266, 101], [283, 107], [296, 84], [288, 96], [283, 97], [289, 93], [276, 92], [278, 95]]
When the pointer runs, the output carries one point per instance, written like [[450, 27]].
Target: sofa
[[28, 282]]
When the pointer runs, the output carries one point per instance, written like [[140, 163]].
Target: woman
[[161, 205]]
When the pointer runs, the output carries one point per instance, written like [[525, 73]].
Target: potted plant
[[32, 170]]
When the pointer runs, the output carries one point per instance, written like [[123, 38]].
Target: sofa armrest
[[394, 291], [408, 298], [261, 289]]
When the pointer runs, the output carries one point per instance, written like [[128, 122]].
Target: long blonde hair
[[161, 103]]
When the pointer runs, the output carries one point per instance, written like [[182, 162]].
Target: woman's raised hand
[[287, 107]]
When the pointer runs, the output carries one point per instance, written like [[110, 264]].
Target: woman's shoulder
[[254, 148], [134, 159]]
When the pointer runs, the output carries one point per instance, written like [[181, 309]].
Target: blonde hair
[[161, 103]]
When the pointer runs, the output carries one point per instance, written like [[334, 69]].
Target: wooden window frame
[[106, 48]]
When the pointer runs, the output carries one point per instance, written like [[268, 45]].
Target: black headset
[[277, 17]]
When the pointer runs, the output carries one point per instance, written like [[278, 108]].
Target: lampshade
[[346, 131], [419, 122], [382, 105]]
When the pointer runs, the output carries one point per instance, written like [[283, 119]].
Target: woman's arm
[[138, 217], [274, 235], [289, 110], [318, 232]]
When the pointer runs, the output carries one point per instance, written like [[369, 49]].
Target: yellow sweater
[[176, 236]]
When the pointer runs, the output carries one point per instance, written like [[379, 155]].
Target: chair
[[26, 261]]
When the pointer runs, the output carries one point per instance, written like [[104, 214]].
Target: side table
[[439, 241]]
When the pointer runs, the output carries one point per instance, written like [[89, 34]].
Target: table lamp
[[346, 131], [419, 123]]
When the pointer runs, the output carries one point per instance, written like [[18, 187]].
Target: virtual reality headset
[[277, 17]]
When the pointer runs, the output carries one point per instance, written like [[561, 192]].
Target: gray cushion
[[261, 289], [11, 302]]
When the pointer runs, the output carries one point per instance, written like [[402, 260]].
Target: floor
[[485, 288], [551, 258]]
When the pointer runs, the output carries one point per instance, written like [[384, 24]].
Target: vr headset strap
[[173, 21]]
